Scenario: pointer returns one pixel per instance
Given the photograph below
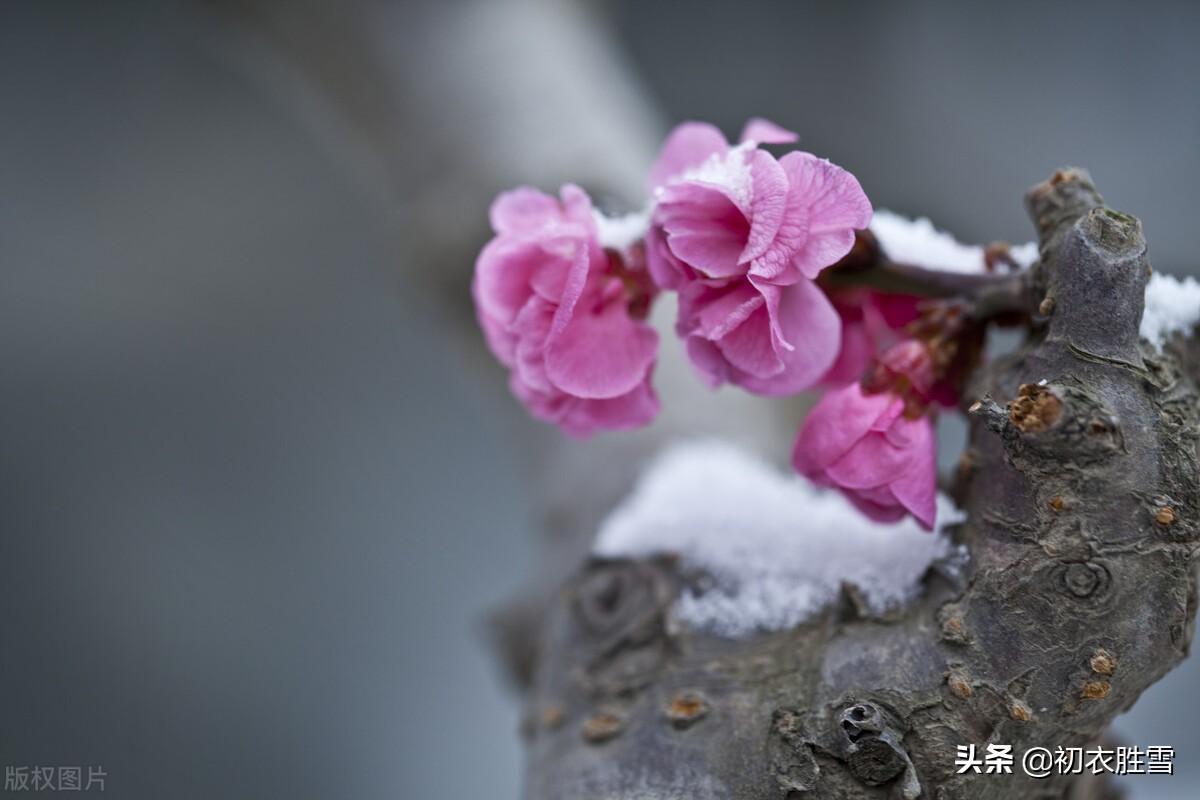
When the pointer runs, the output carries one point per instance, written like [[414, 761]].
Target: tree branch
[[1080, 591]]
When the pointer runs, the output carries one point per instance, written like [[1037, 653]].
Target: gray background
[[254, 498]]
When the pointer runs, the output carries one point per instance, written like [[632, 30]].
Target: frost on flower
[[622, 232], [871, 322], [742, 236], [1172, 306], [774, 549], [918, 242], [566, 316]]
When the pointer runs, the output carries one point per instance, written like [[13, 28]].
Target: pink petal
[[769, 192], [790, 235], [572, 290], [895, 310], [601, 355], [880, 510], [708, 361], [766, 132], [499, 340], [911, 359], [502, 275], [523, 210], [715, 312], [705, 229], [549, 279], [854, 357], [839, 419], [664, 268], [872, 462], [834, 205], [577, 206], [634, 409], [880, 495], [749, 348], [803, 318], [689, 145], [531, 328], [916, 487], [888, 419]]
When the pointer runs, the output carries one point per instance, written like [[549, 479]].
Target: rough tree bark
[[1080, 487]]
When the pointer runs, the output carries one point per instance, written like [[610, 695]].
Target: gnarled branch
[[1083, 512]]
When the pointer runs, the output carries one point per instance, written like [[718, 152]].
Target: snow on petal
[[564, 316], [687, 146], [824, 207]]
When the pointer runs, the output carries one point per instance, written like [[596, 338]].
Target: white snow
[[729, 170], [621, 232], [777, 549], [918, 242], [1024, 254], [1172, 306]]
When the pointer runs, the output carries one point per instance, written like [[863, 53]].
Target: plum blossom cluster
[[743, 238]]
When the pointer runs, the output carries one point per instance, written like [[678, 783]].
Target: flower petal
[[855, 355], [880, 509], [502, 276], [633, 409], [714, 312], [764, 131], [665, 270], [708, 361], [705, 229], [916, 487], [500, 341], [531, 328], [834, 206], [577, 207], [872, 462], [601, 355], [523, 210], [689, 145], [749, 348], [573, 285], [839, 419], [806, 334], [768, 199]]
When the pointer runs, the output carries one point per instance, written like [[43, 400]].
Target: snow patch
[[1172, 306], [620, 233], [776, 548], [918, 242], [729, 170]]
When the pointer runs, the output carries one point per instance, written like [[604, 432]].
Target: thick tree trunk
[[1080, 487]]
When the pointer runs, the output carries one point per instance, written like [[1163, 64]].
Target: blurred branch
[[438, 106]]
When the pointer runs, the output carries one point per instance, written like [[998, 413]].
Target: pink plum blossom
[[565, 315], [871, 321], [910, 364], [866, 445], [741, 236]]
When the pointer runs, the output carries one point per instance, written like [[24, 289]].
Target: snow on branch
[[775, 549], [1172, 306], [918, 242]]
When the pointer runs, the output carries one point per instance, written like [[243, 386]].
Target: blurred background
[[260, 486]]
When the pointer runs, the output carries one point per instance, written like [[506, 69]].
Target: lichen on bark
[[1083, 510]]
